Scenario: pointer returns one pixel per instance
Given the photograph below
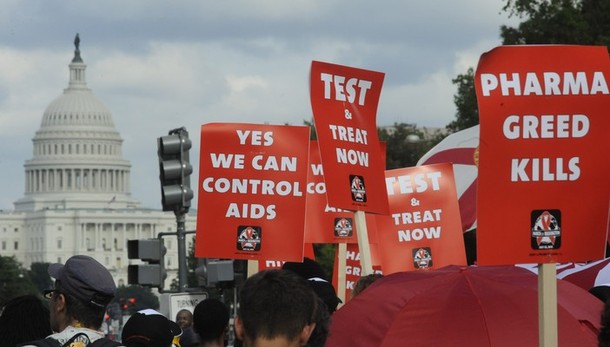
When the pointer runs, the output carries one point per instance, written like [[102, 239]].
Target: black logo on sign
[[249, 238], [546, 229], [422, 257], [343, 227], [357, 187]]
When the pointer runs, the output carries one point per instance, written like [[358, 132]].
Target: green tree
[[583, 22], [405, 144], [465, 101], [14, 280]]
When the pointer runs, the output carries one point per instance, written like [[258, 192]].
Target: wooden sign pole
[[341, 269], [366, 263], [547, 305]]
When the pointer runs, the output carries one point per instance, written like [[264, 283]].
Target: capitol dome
[[77, 158]]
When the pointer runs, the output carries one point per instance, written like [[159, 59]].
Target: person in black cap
[[83, 289], [149, 328], [312, 271]]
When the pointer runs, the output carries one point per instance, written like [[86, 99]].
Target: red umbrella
[[589, 275], [462, 306]]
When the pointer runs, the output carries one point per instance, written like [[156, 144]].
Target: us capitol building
[[77, 190]]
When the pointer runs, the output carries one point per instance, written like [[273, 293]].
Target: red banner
[[543, 162], [424, 229], [344, 102], [252, 181]]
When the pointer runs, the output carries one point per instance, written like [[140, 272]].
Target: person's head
[[23, 318], [83, 290], [276, 306], [312, 271], [364, 282], [211, 320], [184, 318], [149, 328]]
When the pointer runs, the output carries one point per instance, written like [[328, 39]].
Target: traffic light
[[212, 271], [151, 251], [175, 170]]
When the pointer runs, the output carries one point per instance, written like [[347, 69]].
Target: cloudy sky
[[158, 65]]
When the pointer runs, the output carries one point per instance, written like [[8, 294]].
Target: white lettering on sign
[[351, 255], [545, 83], [419, 234], [352, 156], [349, 134], [417, 216], [345, 89], [257, 137], [254, 211], [352, 270], [332, 209], [270, 163], [544, 169], [545, 126], [226, 161], [251, 186], [418, 183]]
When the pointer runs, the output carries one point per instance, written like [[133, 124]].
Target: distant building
[[77, 190]]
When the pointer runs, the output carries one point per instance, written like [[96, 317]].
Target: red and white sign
[[252, 181], [323, 223], [353, 271], [344, 102], [423, 230], [543, 162]]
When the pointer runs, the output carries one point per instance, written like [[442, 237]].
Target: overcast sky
[[158, 65]]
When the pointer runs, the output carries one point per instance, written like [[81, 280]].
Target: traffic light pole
[[182, 265]]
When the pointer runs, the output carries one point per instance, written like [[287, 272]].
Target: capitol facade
[[77, 190]]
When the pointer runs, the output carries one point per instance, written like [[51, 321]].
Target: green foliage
[[14, 280], [465, 100], [583, 22], [405, 144], [325, 256]]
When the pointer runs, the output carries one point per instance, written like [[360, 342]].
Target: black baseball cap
[[85, 279], [149, 328]]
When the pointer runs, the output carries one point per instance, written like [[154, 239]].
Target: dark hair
[[24, 318], [276, 303], [89, 315], [322, 319], [363, 282], [210, 319], [603, 336]]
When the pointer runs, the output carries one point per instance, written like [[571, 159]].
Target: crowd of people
[[288, 307]]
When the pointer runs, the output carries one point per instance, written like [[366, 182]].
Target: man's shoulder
[[87, 337]]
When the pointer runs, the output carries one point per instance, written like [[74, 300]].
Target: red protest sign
[[252, 181], [353, 271], [543, 182], [324, 224], [344, 102], [267, 264], [424, 229]]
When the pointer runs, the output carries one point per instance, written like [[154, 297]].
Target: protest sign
[[423, 230], [252, 180], [323, 223], [344, 103], [543, 182], [353, 270]]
